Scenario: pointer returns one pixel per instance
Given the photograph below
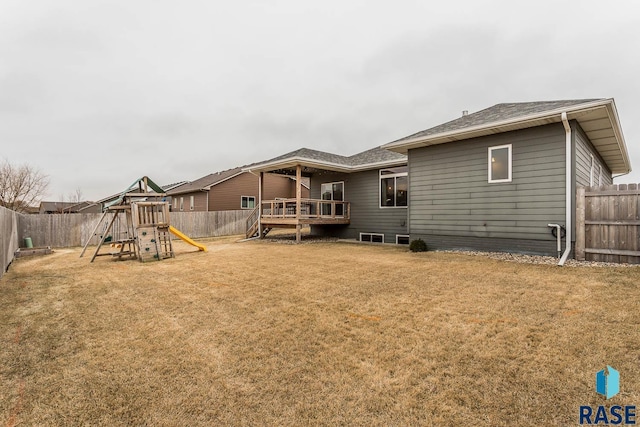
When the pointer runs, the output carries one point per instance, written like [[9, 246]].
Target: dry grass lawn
[[260, 333]]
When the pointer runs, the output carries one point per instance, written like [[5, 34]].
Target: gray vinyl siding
[[583, 152], [362, 190], [452, 205]]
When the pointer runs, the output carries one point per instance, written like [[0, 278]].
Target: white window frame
[[248, 197], [192, 202], [332, 199], [591, 171], [392, 175], [402, 235], [331, 184], [371, 234], [510, 161], [181, 203]]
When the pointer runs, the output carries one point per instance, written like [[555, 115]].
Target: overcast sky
[[99, 93]]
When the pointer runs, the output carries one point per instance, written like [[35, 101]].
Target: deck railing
[[252, 223], [309, 209]]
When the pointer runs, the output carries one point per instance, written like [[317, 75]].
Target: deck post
[[260, 188], [298, 201]]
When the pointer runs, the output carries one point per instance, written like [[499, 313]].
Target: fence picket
[[68, 230], [608, 218]]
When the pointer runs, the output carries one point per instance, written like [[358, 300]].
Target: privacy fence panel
[[211, 224], [68, 230], [8, 237], [59, 230], [607, 223]]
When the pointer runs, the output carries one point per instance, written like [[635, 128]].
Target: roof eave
[[622, 145], [550, 116], [319, 164], [208, 187], [294, 161]]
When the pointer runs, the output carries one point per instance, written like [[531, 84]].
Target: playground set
[[137, 225]]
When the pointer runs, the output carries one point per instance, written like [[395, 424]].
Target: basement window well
[[402, 239], [372, 237]]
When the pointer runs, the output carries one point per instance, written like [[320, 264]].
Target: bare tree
[[21, 186], [76, 196]]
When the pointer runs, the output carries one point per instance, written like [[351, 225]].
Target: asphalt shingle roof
[[374, 155], [206, 182], [497, 113]]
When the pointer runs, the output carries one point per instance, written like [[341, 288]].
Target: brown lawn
[[261, 333]]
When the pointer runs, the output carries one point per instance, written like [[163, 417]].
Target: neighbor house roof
[[169, 187], [370, 159], [206, 182], [64, 207], [597, 117], [56, 206]]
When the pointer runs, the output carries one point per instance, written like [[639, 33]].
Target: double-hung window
[[394, 187], [500, 163], [247, 202]]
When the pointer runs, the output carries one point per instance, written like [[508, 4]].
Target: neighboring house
[[32, 210], [230, 190], [68, 207], [491, 180], [86, 207], [170, 187]]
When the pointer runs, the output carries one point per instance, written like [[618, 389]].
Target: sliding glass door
[[332, 191]]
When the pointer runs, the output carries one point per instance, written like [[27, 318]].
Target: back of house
[[492, 180]]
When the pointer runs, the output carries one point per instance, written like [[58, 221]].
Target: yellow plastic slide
[[186, 238]]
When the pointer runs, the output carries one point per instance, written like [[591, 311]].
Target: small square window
[[500, 163], [247, 202]]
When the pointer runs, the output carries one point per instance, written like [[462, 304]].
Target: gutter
[[619, 175], [568, 193], [320, 164], [550, 114]]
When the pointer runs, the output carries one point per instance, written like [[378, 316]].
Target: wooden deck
[[312, 211], [283, 213]]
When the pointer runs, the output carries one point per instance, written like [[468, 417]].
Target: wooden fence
[[211, 224], [69, 230], [8, 237], [607, 223]]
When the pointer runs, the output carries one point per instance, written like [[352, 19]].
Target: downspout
[[568, 193]]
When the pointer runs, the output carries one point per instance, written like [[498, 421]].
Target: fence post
[[580, 225]]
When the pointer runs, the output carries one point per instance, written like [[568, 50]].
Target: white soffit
[[599, 121]]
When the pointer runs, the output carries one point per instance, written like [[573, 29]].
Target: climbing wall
[[148, 244], [151, 221]]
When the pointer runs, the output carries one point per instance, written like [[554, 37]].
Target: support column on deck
[[298, 202], [260, 192]]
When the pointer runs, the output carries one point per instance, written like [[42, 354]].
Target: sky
[[99, 93]]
